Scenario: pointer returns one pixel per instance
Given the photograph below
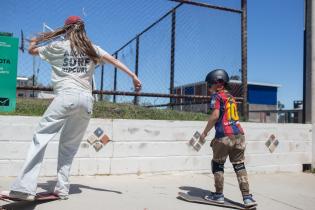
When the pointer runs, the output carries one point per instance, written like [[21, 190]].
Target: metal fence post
[[307, 70], [115, 79], [172, 69], [102, 80], [311, 67], [244, 58], [136, 98], [33, 77]]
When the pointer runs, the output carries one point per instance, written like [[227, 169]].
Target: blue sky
[[275, 45], [205, 39]]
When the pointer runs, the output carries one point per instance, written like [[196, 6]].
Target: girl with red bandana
[[73, 62]]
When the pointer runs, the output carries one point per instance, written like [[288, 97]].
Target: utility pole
[[307, 70], [244, 58], [310, 56]]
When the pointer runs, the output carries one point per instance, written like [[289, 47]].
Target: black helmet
[[217, 75]]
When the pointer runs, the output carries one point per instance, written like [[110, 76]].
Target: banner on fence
[[8, 72]]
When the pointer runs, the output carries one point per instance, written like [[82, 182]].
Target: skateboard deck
[[227, 202], [44, 196]]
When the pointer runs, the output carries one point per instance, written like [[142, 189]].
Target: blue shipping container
[[262, 95]]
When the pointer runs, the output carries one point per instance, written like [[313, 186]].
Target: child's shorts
[[232, 146]]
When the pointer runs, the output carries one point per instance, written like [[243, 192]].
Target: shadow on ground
[[201, 193], [49, 187]]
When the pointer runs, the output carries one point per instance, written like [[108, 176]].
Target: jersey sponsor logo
[[228, 123]]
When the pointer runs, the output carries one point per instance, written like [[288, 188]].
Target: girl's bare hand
[[136, 83]]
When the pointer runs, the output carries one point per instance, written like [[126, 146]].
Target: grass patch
[[37, 107]]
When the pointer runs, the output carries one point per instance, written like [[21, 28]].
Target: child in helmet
[[229, 137]]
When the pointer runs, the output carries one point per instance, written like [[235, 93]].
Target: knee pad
[[217, 167], [239, 167]]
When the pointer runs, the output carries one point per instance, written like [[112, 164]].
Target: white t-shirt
[[70, 70]]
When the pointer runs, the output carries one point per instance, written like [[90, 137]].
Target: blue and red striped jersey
[[228, 123]]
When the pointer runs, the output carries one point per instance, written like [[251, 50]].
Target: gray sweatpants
[[69, 112]]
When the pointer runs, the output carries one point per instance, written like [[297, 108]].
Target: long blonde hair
[[77, 36]]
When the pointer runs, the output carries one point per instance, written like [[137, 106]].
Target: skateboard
[[227, 202], [44, 196]]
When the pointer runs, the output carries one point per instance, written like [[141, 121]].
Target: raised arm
[[110, 59]]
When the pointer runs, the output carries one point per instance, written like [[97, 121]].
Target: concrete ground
[[158, 192]]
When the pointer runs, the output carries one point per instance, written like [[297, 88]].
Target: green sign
[[8, 69]]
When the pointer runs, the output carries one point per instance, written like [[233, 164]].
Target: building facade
[[262, 99], [22, 82], [28, 82]]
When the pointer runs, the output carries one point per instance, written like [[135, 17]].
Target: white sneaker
[[61, 196], [18, 195]]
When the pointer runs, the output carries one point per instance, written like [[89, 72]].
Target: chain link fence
[[170, 51]]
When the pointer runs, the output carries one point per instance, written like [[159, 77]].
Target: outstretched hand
[[136, 83]]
